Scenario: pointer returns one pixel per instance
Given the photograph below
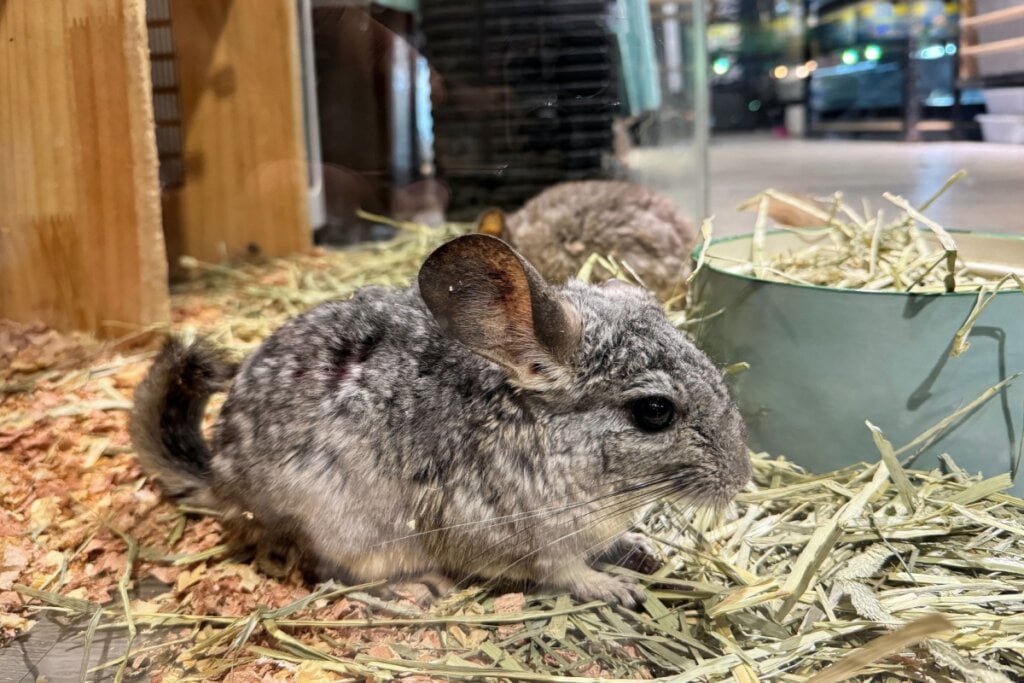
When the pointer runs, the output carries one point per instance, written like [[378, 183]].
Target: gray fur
[[166, 421], [387, 449], [561, 227]]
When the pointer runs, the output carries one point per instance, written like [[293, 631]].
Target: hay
[[858, 250], [874, 571]]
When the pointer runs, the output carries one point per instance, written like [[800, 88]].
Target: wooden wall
[[80, 227], [85, 232], [244, 189]]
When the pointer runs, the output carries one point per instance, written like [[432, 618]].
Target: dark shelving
[[531, 91]]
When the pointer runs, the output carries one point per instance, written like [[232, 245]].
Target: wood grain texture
[[244, 190], [81, 244], [968, 66]]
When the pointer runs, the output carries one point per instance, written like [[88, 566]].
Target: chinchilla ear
[[492, 222], [486, 296]]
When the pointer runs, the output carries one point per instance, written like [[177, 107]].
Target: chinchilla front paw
[[634, 551], [589, 584]]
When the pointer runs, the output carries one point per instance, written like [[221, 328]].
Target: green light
[[872, 53], [850, 56], [754, 105], [721, 66]]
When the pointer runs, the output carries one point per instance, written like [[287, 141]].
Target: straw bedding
[[878, 572]]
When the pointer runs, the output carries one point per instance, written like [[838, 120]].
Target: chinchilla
[[481, 423], [561, 227]]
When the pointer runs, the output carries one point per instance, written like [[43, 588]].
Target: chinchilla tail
[[166, 421]]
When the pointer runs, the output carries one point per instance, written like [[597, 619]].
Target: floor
[[55, 650], [990, 197]]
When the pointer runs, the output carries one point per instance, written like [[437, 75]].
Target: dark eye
[[652, 413]]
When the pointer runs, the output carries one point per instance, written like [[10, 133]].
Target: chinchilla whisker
[[645, 486], [567, 536], [605, 541], [655, 497], [484, 523], [585, 552], [519, 516], [611, 512], [624, 505]]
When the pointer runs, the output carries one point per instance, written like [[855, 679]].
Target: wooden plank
[[968, 36], [244, 190], [998, 17], [995, 46], [863, 126], [80, 231], [53, 649]]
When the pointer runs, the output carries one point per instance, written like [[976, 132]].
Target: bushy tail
[[166, 422]]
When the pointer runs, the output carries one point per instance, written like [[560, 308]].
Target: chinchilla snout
[[730, 458], [665, 421], [714, 464]]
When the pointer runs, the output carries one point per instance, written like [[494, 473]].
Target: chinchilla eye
[[652, 413]]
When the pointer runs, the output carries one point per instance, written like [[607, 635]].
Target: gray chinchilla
[[481, 423], [561, 227]]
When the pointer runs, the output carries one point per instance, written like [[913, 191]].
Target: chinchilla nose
[[741, 468], [736, 466]]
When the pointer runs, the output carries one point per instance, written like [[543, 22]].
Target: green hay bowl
[[824, 360]]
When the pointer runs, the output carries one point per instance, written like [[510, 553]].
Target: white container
[[796, 117], [1004, 100], [1002, 128]]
